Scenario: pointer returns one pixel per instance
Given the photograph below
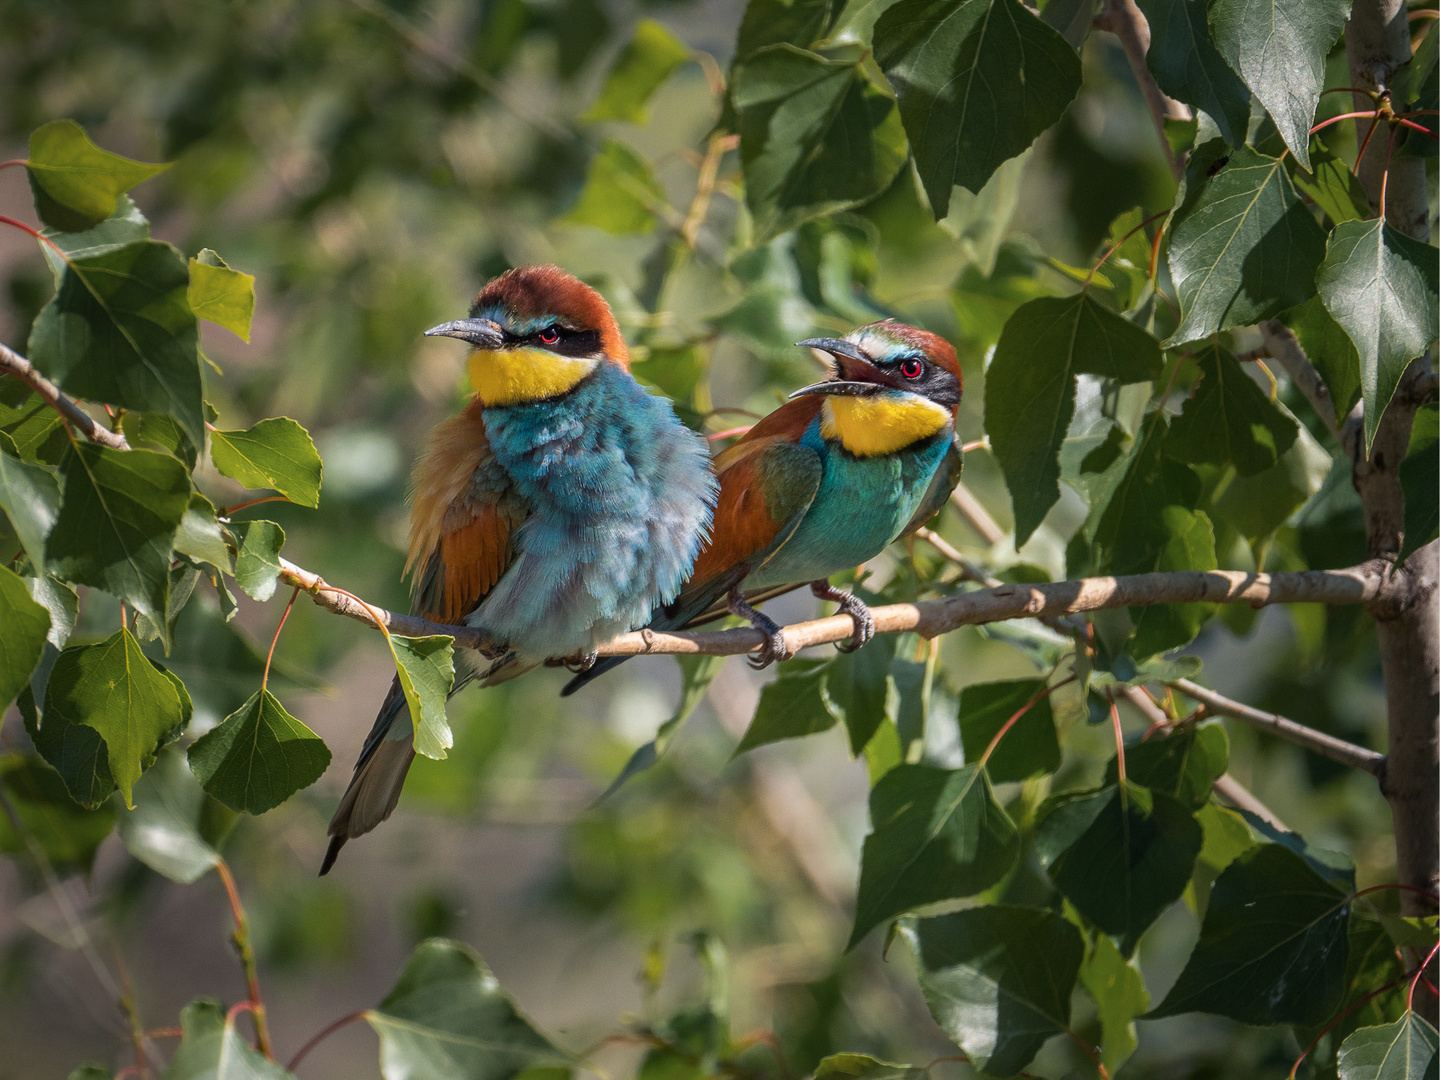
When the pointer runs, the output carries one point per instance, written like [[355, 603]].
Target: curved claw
[[774, 648], [772, 651], [578, 665], [851, 605]]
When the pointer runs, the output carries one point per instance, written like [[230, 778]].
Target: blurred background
[[372, 163]]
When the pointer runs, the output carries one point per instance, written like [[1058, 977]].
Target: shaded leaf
[[79, 182], [795, 22], [1404, 1050], [977, 80], [936, 834], [276, 453], [815, 137], [426, 666], [998, 980], [1188, 67], [1331, 351], [448, 1019], [163, 830], [1120, 996], [1242, 246], [864, 1067], [620, 194], [859, 690], [1258, 505], [794, 705], [1334, 187], [125, 226], [1189, 545], [1120, 858], [1030, 389], [1229, 419], [1029, 748], [649, 58], [23, 627], [112, 687], [30, 498], [212, 1049], [48, 817], [120, 330], [30, 422], [258, 756], [257, 557], [1183, 764], [221, 295], [117, 522], [1279, 47], [1273, 945], [1383, 288], [1420, 480]]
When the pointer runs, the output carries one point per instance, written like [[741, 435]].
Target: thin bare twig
[[974, 512]]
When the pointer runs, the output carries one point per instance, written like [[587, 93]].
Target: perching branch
[[22, 369], [1126, 21], [1346, 753]]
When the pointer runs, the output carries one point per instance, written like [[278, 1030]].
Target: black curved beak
[[482, 333], [855, 375]]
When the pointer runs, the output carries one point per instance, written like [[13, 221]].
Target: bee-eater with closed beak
[[826, 482], [558, 509]]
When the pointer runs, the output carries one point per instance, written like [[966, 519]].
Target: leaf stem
[[1040, 695], [1090, 1052], [1396, 885], [323, 1033], [265, 678], [1331, 1025], [1365, 142], [1343, 116], [241, 940], [1385, 175], [1116, 246], [1119, 752], [249, 503], [1419, 974], [1417, 127]]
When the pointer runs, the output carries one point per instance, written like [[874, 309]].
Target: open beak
[[855, 375], [482, 333]]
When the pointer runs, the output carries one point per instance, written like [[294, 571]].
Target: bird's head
[[536, 332], [892, 385]]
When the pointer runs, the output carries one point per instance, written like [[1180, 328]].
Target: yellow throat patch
[[871, 426], [517, 376]]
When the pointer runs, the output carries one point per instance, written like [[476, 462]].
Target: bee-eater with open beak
[[826, 482], [557, 510]]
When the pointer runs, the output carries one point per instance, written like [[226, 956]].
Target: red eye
[[911, 369], [549, 335]]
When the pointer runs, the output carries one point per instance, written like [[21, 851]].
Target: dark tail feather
[[379, 775]]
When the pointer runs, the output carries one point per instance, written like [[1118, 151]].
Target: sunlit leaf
[[426, 666], [1279, 47], [61, 601], [276, 453], [30, 422], [1189, 68], [1120, 996], [1404, 1050], [257, 557], [1273, 945], [1333, 186], [30, 498], [213, 1049], [1383, 288], [977, 80], [221, 295], [937, 834], [163, 830], [864, 1067], [23, 626], [125, 226], [76, 183], [258, 756], [649, 58], [448, 1019], [620, 195], [998, 980], [200, 536]]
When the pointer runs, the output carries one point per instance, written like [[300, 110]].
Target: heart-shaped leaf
[[258, 756], [76, 183], [276, 453]]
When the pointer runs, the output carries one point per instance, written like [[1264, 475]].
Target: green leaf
[[221, 295], [696, 675], [1279, 47], [1128, 268], [816, 137], [30, 498], [276, 453], [61, 601], [257, 557], [1029, 748], [1404, 1050], [1120, 857], [977, 80], [200, 535], [1183, 764], [426, 666], [117, 522], [1189, 545], [47, 815], [120, 330], [1420, 479], [163, 830], [864, 1067], [1120, 996], [258, 756], [89, 1071], [76, 752], [448, 1019], [30, 422], [1383, 288], [794, 705], [649, 58], [937, 834], [112, 687], [1030, 389], [23, 626], [125, 226], [859, 688], [621, 193], [998, 980], [1187, 65], [1229, 419], [1258, 505], [796, 22], [77, 183], [212, 1049], [1243, 247], [1333, 186], [1331, 351], [1273, 945]]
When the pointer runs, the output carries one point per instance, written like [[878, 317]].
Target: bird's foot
[[578, 665], [851, 605], [774, 648]]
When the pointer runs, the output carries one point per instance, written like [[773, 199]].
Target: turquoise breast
[[861, 507]]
